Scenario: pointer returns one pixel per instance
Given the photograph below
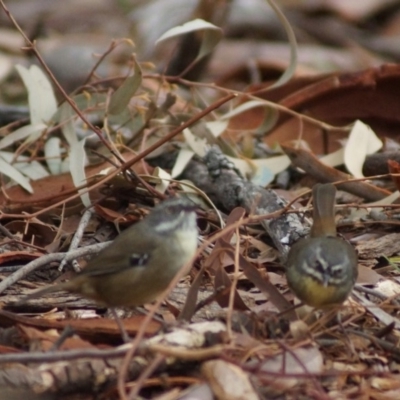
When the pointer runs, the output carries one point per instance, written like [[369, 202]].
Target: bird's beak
[[325, 279]]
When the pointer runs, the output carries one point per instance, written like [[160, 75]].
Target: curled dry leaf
[[228, 381], [362, 141], [39, 87], [12, 256], [301, 361], [45, 340], [211, 35], [191, 337], [94, 329], [322, 173]]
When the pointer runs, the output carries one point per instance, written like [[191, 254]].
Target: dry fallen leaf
[[303, 361], [228, 381]]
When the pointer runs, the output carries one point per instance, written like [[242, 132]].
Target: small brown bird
[[321, 270], [141, 262]]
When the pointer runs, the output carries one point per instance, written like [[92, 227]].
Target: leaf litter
[[242, 338]]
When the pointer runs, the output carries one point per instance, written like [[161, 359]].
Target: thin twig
[[49, 258], [151, 367], [391, 348], [7, 233], [77, 239], [110, 49], [68, 355]]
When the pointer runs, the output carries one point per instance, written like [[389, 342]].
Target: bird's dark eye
[[336, 271], [137, 260], [316, 264]]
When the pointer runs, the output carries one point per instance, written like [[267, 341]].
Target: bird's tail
[[48, 289], [324, 210]]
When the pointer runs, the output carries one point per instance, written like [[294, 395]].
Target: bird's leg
[[125, 337]]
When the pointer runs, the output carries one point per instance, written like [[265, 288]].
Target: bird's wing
[[123, 254]]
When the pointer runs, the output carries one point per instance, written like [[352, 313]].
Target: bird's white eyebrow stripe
[[165, 226]]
